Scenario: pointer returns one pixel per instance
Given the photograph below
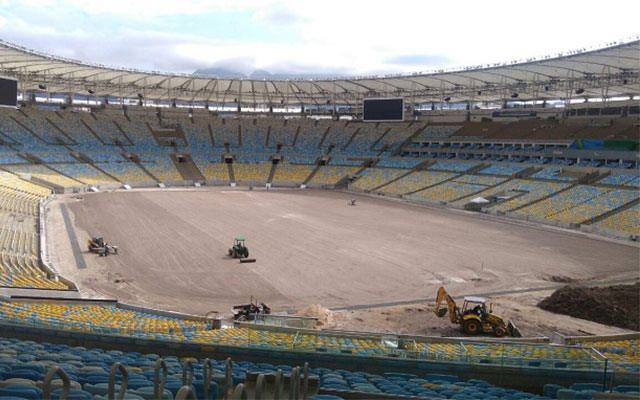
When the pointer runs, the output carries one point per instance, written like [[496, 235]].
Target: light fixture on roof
[[579, 91], [91, 91], [447, 99], [42, 87], [140, 96], [546, 88], [515, 95]]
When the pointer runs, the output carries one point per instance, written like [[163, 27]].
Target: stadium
[[128, 197]]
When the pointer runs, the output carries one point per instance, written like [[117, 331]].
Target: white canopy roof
[[605, 71]]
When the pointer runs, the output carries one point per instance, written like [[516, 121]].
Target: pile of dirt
[[325, 316], [611, 305]]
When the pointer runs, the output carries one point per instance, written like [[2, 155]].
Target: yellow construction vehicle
[[474, 317]]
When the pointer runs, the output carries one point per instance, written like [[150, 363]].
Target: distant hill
[[219, 72]]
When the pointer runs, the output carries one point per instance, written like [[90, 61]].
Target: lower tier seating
[[416, 181], [331, 174], [625, 221], [373, 177], [256, 172], [292, 173]]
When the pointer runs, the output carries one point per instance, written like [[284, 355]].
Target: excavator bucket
[[247, 260], [441, 312], [513, 330]]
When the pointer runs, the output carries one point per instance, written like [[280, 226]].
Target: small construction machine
[[240, 251], [99, 246], [245, 312], [474, 317]]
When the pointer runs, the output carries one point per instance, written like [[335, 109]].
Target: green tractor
[[239, 250]]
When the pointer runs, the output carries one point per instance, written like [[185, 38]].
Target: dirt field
[[311, 248], [419, 319]]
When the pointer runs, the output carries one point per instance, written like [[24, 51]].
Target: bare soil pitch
[[311, 248]]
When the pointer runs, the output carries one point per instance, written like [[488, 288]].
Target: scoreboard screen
[[8, 92], [383, 109]]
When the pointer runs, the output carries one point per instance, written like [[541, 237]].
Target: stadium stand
[[621, 180], [437, 132], [283, 132], [252, 172], [553, 174], [163, 169], [332, 174], [24, 364], [19, 257], [415, 181], [43, 173], [11, 159], [84, 173], [532, 191], [125, 172], [399, 163], [453, 166], [448, 191], [503, 170], [373, 177], [292, 173], [212, 168], [625, 221]]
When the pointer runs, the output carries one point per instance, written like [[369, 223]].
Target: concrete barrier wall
[[43, 255]]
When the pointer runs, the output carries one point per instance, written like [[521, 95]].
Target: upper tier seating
[[453, 166], [399, 162], [11, 158], [282, 132], [196, 133], [437, 132], [504, 170], [225, 130]]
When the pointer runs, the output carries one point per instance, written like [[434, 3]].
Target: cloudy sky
[[319, 37]]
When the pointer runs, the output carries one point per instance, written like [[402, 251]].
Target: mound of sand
[[611, 305], [325, 316]]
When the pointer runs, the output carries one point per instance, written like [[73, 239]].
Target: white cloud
[[352, 37]]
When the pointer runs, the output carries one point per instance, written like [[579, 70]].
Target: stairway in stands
[[187, 168]]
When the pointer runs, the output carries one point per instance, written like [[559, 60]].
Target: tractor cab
[[238, 242], [239, 250], [475, 305], [99, 241]]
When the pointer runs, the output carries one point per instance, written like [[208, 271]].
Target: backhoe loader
[[474, 318]]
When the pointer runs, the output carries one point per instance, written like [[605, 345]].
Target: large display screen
[[381, 110], [8, 92]]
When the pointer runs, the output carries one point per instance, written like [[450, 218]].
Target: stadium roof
[[604, 71]]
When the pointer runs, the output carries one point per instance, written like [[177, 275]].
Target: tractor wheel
[[230, 253], [472, 326], [246, 252], [498, 331]]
